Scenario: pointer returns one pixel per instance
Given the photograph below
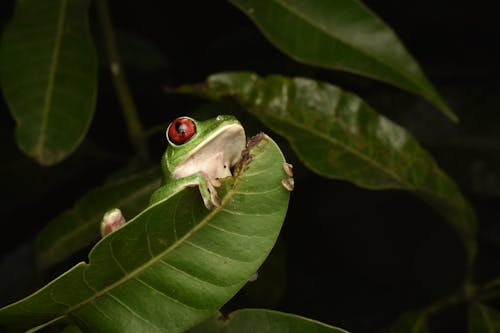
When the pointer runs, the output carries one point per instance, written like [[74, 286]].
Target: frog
[[199, 153]]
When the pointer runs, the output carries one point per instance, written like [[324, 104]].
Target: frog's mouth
[[217, 155]]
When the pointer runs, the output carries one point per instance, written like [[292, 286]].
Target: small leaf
[[48, 71], [483, 319], [78, 227], [411, 322], [173, 265], [344, 35], [337, 135], [263, 321]]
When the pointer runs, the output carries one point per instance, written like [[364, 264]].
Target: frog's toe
[[215, 182], [209, 193], [288, 169], [215, 199], [288, 184], [212, 200], [112, 220], [214, 196]]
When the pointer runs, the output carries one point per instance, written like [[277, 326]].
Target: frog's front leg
[[206, 185], [114, 219]]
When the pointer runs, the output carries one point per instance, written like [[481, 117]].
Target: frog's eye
[[181, 130]]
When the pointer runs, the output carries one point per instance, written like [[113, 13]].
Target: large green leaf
[[48, 71], [263, 321], [344, 35], [174, 264], [337, 135], [78, 227], [483, 319]]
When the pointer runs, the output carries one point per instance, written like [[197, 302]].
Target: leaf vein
[[345, 42], [234, 233], [93, 304], [232, 212], [129, 309], [189, 274], [258, 192], [164, 294], [51, 77], [204, 249], [111, 251]]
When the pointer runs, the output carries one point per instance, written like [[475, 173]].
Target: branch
[[134, 126]]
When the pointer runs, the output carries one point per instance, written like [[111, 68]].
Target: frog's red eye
[[181, 130]]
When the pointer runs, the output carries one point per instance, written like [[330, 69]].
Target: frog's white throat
[[217, 155]]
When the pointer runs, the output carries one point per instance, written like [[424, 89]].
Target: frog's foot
[[205, 184], [113, 219], [207, 190], [288, 182]]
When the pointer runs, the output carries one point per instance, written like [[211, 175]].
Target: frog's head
[[211, 146]]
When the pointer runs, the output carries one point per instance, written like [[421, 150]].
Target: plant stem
[[134, 126]]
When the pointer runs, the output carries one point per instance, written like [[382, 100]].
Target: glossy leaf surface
[[78, 227], [483, 319], [337, 135], [344, 35], [173, 265], [48, 71], [263, 321]]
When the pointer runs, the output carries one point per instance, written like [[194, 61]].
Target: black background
[[347, 256]]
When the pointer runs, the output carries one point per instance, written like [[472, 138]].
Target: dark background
[[347, 256]]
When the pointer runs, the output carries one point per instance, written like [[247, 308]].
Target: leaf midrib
[[347, 43], [347, 148], [408, 186], [424, 192], [132, 274], [51, 78]]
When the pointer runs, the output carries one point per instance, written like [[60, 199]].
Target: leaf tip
[[444, 108]]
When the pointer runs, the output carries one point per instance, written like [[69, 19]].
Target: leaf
[[337, 135], [344, 35], [483, 319], [410, 322], [173, 265], [263, 321], [48, 71], [78, 227]]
